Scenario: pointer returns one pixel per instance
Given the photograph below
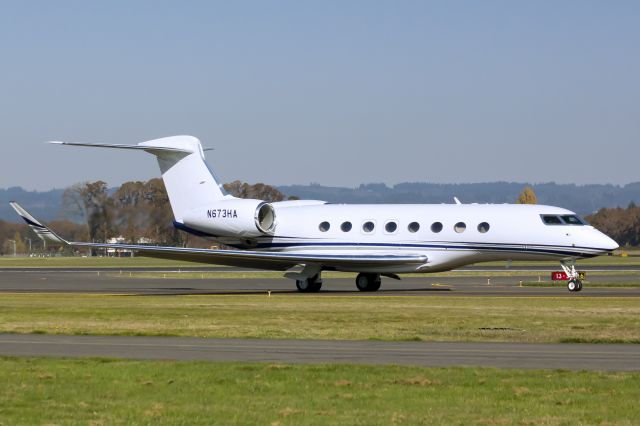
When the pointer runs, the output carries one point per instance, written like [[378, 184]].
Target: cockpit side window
[[572, 220], [551, 219]]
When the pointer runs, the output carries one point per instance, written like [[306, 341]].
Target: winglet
[[42, 231]]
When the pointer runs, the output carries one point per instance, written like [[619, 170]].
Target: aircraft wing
[[263, 259], [244, 258]]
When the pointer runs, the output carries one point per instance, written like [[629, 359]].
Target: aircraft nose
[[608, 243]]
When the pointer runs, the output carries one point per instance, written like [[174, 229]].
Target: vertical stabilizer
[[185, 173]]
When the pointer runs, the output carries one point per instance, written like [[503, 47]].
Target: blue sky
[[337, 93]]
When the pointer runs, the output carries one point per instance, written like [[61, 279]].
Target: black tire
[[302, 286], [310, 285], [362, 282], [368, 282], [375, 286], [572, 285], [578, 285]]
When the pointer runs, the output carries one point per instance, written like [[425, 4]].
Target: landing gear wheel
[[368, 282], [575, 283], [310, 285]]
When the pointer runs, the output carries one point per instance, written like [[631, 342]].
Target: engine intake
[[265, 218], [234, 218]]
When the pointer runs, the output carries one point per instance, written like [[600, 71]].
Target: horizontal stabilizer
[[148, 148], [41, 231]]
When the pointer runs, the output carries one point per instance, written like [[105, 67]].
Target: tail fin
[[189, 181]]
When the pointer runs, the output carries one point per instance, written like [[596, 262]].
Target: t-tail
[[198, 200], [189, 182]]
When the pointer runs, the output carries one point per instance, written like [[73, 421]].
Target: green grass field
[[434, 318], [145, 262], [104, 392]]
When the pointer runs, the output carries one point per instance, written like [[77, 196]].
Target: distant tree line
[[137, 211], [582, 199], [623, 225]]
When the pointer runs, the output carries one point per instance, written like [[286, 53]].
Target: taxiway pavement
[[431, 354], [119, 282]]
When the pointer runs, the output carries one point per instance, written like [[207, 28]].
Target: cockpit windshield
[[572, 220], [551, 220], [569, 219]]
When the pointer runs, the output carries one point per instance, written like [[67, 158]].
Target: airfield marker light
[[269, 293], [520, 283], [488, 281]]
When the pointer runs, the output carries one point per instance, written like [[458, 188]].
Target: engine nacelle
[[234, 218]]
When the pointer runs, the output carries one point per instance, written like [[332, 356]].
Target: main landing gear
[[574, 283], [310, 285], [313, 284], [368, 282]]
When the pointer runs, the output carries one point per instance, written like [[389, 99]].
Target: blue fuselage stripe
[[518, 248]]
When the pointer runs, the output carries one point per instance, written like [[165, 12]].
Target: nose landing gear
[[574, 283]]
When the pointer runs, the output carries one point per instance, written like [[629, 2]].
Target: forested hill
[[45, 205], [583, 199]]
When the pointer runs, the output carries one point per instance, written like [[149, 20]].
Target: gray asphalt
[[114, 282], [500, 355]]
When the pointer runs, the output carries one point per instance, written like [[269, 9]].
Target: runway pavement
[[114, 282], [500, 355]]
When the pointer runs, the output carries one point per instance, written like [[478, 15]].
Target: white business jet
[[302, 238]]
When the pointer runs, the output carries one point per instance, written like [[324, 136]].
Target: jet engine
[[233, 218]]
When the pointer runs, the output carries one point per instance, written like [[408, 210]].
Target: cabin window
[[551, 219], [368, 227], [483, 227], [391, 227], [324, 226], [346, 226], [436, 227], [413, 227], [572, 220], [460, 227]]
